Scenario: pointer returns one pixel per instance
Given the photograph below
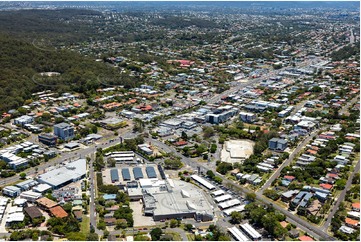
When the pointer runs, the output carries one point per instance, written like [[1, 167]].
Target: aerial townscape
[[180, 121]]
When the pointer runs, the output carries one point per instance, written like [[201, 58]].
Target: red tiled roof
[[180, 143], [332, 175], [351, 221], [58, 212], [284, 224], [305, 238], [289, 177], [356, 205], [326, 186]]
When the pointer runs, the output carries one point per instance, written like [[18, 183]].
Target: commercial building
[[236, 150], [42, 188], [113, 123], [126, 174], [26, 185], [11, 191], [48, 139], [221, 115], [145, 148], [177, 200], [71, 172], [64, 131], [13, 160], [277, 144], [30, 196], [137, 172], [25, 119], [247, 117], [127, 157], [150, 172], [114, 175]]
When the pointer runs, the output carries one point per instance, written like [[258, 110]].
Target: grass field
[[176, 236], [85, 225]]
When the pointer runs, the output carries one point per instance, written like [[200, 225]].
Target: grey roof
[[161, 171], [290, 193], [62, 125], [114, 174], [137, 171], [12, 189], [304, 201], [71, 171], [27, 184], [125, 174], [150, 172], [172, 202]]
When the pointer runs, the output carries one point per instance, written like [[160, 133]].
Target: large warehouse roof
[[126, 174], [174, 202], [114, 175], [59, 176], [137, 171], [150, 172]]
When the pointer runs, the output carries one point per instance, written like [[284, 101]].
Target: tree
[[251, 196], [173, 223], [173, 164], [67, 207], [210, 173], [73, 236], [22, 175], [121, 223], [188, 227], [156, 233], [236, 217], [341, 184], [271, 194], [184, 135], [224, 167], [208, 132], [92, 237], [105, 234], [218, 179], [213, 148]]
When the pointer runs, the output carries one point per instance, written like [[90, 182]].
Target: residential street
[[340, 198], [304, 225], [299, 147]]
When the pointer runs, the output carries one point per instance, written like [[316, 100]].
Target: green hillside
[[21, 63]]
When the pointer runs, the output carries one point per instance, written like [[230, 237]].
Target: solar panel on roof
[[137, 171], [126, 174], [114, 175], [150, 172]]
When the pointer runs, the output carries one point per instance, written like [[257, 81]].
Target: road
[[92, 183], [241, 85], [352, 37], [344, 109], [340, 198], [304, 225], [73, 155], [288, 161], [299, 222]]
